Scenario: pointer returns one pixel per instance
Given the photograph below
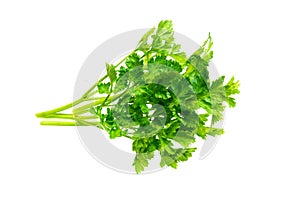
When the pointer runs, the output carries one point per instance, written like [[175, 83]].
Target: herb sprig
[[138, 100]]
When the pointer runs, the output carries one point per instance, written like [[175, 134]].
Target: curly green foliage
[[158, 47], [170, 128]]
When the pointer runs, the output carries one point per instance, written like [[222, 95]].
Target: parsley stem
[[65, 123], [60, 116], [92, 93], [57, 123], [62, 108], [79, 112], [89, 105], [86, 123], [69, 116]]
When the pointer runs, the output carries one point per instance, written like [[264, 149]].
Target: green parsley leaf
[[141, 161], [103, 88]]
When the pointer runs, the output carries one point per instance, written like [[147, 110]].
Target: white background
[[42, 47]]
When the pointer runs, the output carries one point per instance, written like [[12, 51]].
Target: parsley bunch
[[156, 96]]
